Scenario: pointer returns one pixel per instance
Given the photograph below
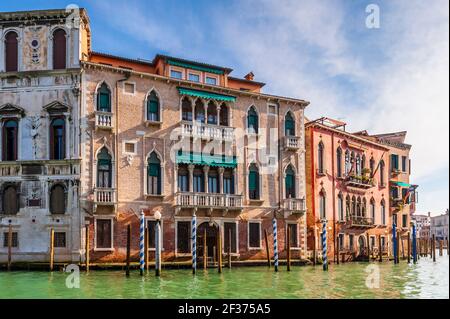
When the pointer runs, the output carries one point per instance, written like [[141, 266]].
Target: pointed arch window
[[372, 210], [290, 182], [348, 211], [183, 178], [213, 181], [104, 169], [199, 111], [358, 165], [224, 115], [382, 181], [372, 166], [57, 199], [57, 139], [320, 158], [363, 162], [153, 175], [252, 120], [289, 125], [322, 205], [9, 151], [104, 98], [228, 181], [383, 212], [212, 113], [153, 107], [339, 162], [348, 165], [199, 180], [340, 203], [186, 110], [10, 200], [59, 49], [11, 52], [253, 182]]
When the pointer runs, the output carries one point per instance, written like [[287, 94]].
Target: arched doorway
[[211, 230], [362, 245]]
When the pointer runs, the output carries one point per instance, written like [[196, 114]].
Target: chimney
[[249, 76], [429, 214]]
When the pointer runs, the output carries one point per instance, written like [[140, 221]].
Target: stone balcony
[[209, 200], [359, 182], [40, 167], [360, 222], [292, 143], [104, 197], [103, 120], [294, 205], [207, 131]]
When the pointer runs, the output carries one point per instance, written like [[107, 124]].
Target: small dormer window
[[194, 77], [210, 80], [176, 74]]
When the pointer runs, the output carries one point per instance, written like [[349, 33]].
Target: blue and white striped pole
[[194, 244], [324, 246], [275, 244], [394, 241], [414, 243], [141, 243]]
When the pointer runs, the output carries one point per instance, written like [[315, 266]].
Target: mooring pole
[[87, 248], [52, 248], [219, 250], [9, 246], [229, 248], [158, 244], [127, 267], [394, 242], [194, 244], [205, 251], [398, 247], [267, 247], [368, 246], [402, 245], [338, 247], [433, 247], [288, 249], [447, 245], [324, 246], [142, 244], [408, 242], [146, 248], [275, 244], [414, 243], [441, 244], [380, 250]]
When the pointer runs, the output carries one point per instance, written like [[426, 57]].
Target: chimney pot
[[249, 76]]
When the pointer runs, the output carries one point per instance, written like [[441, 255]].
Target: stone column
[[218, 115], [175, 178], [191, 177], [221, 170], [235, 181], [205, 174]]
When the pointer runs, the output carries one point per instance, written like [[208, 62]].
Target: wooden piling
[[368, 246], [288, 250], [338, 249], [409, 248], [87, 248], [403, 247], [314, 247], [380, 250], [441, 248], [267, 248], [433, 247], [219, 251], [398, 247], [52, 248], [9, 246], [447, 245], [146, 248], [127, 267], [205, 251], [229, 248]]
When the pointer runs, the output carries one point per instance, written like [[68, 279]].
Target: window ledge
[[151, 196], [254, 248], [153, 123]]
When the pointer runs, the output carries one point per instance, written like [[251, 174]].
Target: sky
[[386, 79]]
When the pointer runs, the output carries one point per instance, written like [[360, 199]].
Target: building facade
[[347, 185], [439, 226], [423, 223], [40, 76], [186, 138]]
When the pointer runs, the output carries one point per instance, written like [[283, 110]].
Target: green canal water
[[423, 280]]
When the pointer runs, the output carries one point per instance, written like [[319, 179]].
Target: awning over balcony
[[206, 159], [206, 95], [401, 184]]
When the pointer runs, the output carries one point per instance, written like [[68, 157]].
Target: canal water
[[423, 280]]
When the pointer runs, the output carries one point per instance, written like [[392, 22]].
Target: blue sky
[[393, 78]]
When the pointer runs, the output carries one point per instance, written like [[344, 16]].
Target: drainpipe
[[313, 191], [336, 254], [116, 137]]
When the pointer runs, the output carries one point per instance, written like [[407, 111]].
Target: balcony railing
[[205, 200], [10, 169], [292, 142], [295, 205], [359, 182], [103, 120], [207, 131], [104, 196], [360, 221], [40, 167]]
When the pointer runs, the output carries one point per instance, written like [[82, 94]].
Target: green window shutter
[[104, 162], [253, 181], [153, 107], [104, 104], [153, 170]]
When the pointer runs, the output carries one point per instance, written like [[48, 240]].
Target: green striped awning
[[402, 184], [206, 95], [206, 159], [194, 67]]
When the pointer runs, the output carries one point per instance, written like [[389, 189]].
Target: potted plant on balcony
[[365, 177]]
